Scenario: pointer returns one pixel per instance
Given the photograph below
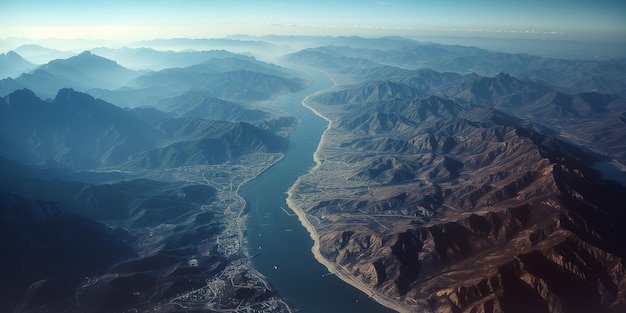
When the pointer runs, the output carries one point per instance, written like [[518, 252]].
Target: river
[[285, 246]]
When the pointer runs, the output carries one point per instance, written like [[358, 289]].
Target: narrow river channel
[[285, 246]]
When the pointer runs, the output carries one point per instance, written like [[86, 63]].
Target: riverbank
[[336, 269]]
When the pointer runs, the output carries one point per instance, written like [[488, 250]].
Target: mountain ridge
[[456, 207], [80, 72], [580, 75], [12, 64], [64, 129]]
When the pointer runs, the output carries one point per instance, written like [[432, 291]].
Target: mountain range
[[155, 60], [199, 105], [449, 179], [203, 44], [91, 70], [41, 55], [465, 193], [81, 72], [81, 132], [90, 222], [581, 117], [107, 208], [581, 75], [219, 74]]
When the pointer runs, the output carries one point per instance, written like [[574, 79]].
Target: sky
[[129, 20]]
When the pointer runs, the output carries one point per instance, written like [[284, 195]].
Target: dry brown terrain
[[433, 205]]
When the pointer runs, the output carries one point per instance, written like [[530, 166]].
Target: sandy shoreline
[[332, 267]]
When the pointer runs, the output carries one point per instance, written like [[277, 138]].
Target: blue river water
[[285, 245]]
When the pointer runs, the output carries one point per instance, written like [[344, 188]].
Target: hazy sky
[[127, 20]]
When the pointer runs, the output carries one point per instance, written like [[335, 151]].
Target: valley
[[160, 189], [427, 177]]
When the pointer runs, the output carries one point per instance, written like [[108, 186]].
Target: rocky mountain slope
[[579, 116], [462, 203]]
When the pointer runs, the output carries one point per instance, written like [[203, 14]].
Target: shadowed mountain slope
[[47, 253], [59, 258], [200, 106], [81, 132]]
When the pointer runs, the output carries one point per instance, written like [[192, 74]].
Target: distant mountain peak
[[24, 91], [503, 75], [13, 57], [12, 54], [12, 64], [65, 91], [65, 94], [87, 56], [19, 96]]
